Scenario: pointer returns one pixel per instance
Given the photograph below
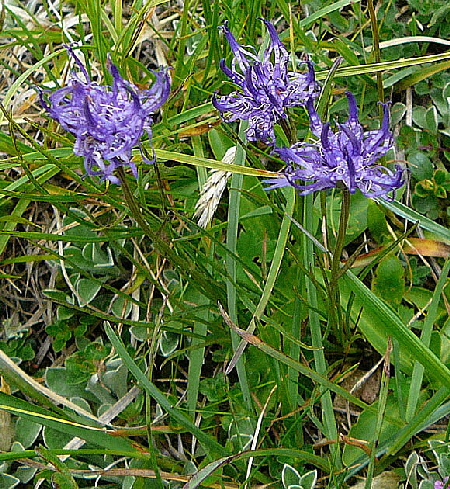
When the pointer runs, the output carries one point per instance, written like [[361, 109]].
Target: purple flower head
[[440, 484], [266, 86], [108, 121], [347, 156]]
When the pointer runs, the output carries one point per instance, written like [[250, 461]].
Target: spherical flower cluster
[[107, 121], [348, 156], [345, 157], [266, 86]]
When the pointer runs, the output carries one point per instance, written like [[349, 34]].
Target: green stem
[[200, 328], [133, 205], [376, 49], [382, 401], [342, 232], [201, 278], [231, 266], [336, 272], [180, 65], [328, 418]]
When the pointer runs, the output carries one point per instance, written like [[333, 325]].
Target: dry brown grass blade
[[411, 246]]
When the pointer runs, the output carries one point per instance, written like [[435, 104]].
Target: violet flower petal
[[107, 121], [348, 156], [266, 86]]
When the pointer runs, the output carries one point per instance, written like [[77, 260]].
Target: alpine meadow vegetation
[[224, 244]]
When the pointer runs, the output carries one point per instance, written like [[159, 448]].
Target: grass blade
[[97, 436], [209, 443], [413, 216], [378, 322]]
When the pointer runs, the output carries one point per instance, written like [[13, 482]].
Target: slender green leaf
[[208, 441], [384, 66], [308, 372], [418, 371], [413, 216], [319, 14], [377, 322], [302, 455], [97, 436], [208, 163]]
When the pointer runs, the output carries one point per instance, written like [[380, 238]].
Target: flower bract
[[107, 121], [348, 156], [266, 87]]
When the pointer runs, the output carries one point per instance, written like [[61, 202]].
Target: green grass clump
[[282, 343]]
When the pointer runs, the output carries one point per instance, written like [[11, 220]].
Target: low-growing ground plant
[[224, 244]]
